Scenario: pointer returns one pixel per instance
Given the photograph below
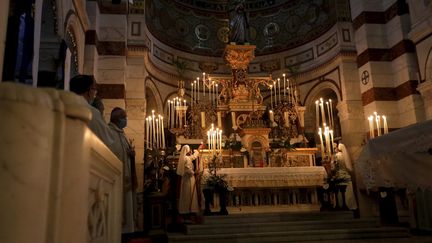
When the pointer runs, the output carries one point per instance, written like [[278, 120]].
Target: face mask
[[122, 123]]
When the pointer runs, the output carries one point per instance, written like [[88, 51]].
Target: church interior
[[231, 120]]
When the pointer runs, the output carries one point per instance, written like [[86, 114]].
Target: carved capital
[[239, 56]]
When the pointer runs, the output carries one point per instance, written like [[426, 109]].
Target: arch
[[72, 30], [316, 90], [153, 97], [326, 89]]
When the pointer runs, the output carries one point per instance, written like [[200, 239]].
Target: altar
[[275, 177], [251, 129]]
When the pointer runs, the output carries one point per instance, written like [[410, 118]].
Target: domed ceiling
[[201, 26]]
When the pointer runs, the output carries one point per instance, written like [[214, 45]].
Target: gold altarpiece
[[263, 151]]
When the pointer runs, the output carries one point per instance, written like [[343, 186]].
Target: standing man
[[126, 153], [85, 86]]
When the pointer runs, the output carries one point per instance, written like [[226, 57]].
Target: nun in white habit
[[188, 200]]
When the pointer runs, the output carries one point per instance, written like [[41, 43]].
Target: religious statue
[[238, 23]]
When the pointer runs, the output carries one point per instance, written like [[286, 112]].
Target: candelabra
[[285, 109], [325, 132], [177, 115]]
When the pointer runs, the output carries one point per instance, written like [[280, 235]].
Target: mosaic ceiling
[[201, 26]]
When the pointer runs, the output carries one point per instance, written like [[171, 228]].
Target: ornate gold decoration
[[239, 56]]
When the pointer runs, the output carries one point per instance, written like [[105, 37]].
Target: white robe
[[350, 199], [188, 201], [120, 148], [99, 127]]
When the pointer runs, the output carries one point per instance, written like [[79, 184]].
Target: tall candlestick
[[169, 111], [284, 88], [274, 84]]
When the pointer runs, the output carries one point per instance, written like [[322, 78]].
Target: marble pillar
[[425, 90]]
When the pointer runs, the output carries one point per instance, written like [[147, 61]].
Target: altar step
[[286, 227]]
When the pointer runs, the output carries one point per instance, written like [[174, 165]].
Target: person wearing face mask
[[85, 86], [125, 151]]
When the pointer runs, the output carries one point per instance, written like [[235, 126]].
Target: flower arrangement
[[338, 175], [213, 179]]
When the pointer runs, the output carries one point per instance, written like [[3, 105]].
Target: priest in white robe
[[126, 153]]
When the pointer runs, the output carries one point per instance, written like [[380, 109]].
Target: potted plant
[[215, 183]]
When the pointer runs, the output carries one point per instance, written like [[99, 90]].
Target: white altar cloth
[[399, 159], [275, 176]]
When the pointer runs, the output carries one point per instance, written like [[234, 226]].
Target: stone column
[[111, 36], [4, 14], [425, 90]]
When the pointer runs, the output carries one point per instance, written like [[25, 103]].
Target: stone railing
[[59, 182]]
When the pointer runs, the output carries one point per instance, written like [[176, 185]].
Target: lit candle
[[271, 115], [198, 88], [271, 96], [147, 132], [317, 113], [328, 112], [284, 87], [196, 91], [371, 127], [153, 127], [274, 84], [379, 125], [385, 124], [203, 79], [217, 94], [163, 133], [220, 140], [157, 133], [208, 139], [331, 114], [327, 140], [279, 89], [192, 93], [169, 111], [321, 140], [322, 111]]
